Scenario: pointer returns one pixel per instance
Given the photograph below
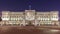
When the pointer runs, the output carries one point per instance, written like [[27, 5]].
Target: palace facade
[[30, 17]]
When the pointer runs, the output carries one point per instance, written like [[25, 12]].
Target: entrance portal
[[29, 23]]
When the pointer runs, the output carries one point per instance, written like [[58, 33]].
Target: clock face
[[30, 16]]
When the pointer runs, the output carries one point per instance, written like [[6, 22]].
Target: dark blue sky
[[21, 5], [40, 5]]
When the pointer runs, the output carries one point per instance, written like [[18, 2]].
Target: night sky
[[39, 5]]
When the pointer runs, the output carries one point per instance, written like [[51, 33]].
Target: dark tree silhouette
[[0, 19]]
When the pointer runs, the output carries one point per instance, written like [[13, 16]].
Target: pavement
[[29, 30]]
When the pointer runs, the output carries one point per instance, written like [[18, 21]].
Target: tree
[[0, 19]]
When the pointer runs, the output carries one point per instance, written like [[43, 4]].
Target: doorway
[[29, 23]]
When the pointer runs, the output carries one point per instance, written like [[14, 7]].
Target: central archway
[[29, 23]]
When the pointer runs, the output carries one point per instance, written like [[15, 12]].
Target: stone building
[[30, 16]]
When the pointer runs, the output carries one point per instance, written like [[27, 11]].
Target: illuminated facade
[[30, 16]]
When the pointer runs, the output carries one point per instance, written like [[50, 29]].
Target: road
[[28, 30]]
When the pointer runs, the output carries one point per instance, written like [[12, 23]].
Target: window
[[5, 18]]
